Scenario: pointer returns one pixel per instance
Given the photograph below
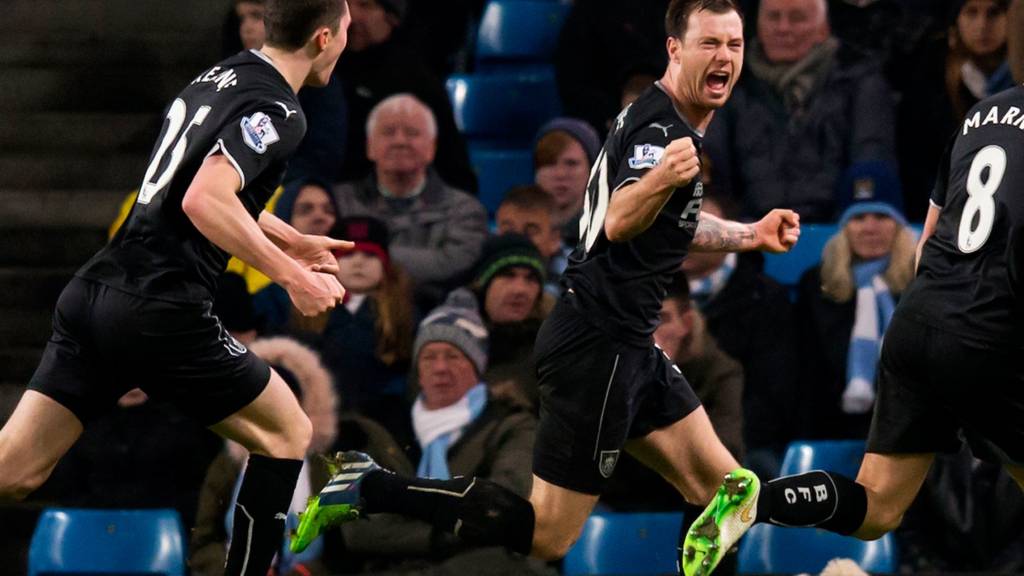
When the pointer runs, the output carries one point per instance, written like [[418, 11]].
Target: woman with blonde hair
[[845, 303]]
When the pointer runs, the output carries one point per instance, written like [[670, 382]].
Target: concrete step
[[33, 288], [79, 131], [41, 247], [43, 170], [17, 366], [92, 88], [25, 328], [106, 17], [58, 208]]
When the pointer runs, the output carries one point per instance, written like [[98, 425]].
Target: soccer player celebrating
[[950, 366], [139, 312], [604, 386]]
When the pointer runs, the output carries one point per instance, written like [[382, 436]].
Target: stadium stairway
[[84, 84]]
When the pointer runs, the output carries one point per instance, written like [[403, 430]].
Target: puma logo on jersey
[[287, 113], [664, 129]]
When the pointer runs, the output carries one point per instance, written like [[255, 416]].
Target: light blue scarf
[[874, 310], [704, 290], [437, 430]]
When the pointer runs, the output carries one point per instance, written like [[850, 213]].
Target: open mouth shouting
[[717, 83]]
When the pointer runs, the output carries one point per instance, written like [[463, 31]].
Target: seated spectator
[[606, 49], [460, 429], [367, 342], [952, 74], [376, 64], [751, 318], [846, 302], [508, 284], [564, 151], [250, 23], [308, 206], [301, 369], [715, 377], [436, 230], [805, 108], [529, 211]]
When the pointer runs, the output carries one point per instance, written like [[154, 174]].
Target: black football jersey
[[969, 276], [242, 108], [623, 284]]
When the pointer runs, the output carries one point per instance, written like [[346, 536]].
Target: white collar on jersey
[[678, 113], [262, 56]]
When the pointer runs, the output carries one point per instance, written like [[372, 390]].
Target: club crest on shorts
[[258, 132], [646, 156], [606, 463]]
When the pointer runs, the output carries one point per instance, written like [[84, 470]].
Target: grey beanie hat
[[458, 323]]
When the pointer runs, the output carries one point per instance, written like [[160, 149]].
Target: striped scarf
[[437, 430], [874, 310], [704, 290]]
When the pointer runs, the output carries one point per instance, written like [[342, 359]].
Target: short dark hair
[[678, 14], [290, 23], [529, 197], [678, 290]]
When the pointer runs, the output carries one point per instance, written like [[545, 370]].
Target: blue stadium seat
[[519, 31], [504, 108], [787, 268], [497, 170], [842, 456], [107, 542], [770, 549], [619, 543]]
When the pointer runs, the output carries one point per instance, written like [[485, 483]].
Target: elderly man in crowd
[[436, 230], [805, 109]]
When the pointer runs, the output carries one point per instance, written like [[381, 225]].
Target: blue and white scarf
[[874, 310], [704, 290], [437, 430]]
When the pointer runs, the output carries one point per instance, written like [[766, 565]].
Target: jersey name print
[[969, 276], [242, 108], [622, 284]]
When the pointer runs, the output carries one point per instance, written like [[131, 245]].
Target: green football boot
[[729, 515], [338, 502]]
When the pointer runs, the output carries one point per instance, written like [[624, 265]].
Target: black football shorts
[[595, 394], [937, 389], [106, 342]]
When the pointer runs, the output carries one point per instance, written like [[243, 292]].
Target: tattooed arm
[[778, 231]]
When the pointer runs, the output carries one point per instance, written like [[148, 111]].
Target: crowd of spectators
[[842, 113]]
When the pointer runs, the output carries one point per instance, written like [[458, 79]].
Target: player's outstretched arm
[[777, 232], [311, 251], [212, 204], [633, 208]]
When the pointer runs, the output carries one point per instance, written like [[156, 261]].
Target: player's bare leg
[[276, 432], [559, 516], [891, 481], [689, 455], [32, 441]]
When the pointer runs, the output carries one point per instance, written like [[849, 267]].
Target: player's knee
[[17, 487], [878, 524], [300, 437], [552, 545]]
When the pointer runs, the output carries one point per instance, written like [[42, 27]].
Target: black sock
[[477, 510], [822, 499], [260, 511]]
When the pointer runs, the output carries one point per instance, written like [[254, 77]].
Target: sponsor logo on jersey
[[258, 132], [663, 128], [646, 156]]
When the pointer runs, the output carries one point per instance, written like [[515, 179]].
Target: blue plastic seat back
[[519, 31], [107, 542], [497, 170], [507, 107], [842, 456], [625, 544], [770, 549], [787, 268]]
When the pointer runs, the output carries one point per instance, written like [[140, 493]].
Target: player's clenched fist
[[680, 163], [315, 292]]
